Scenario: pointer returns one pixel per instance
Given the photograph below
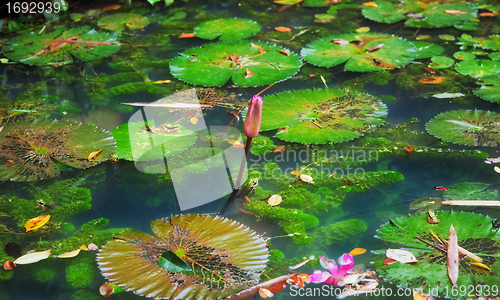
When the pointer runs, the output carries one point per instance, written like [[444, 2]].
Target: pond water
[[366, 179]]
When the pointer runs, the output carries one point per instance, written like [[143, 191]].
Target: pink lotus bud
[[251, 127]]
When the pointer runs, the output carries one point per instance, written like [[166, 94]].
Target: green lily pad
[[470, 191], [321, 116], [209, 257], [27, 149], [421, 13], [173, 138], [494, 56], [362, 51], [474, 233], [227, 29], [491, 42], [441, 62], [478, 68], [242, 61], [118, 22], [467, 127], [490, 88], [462, 55], [426, 50], [60, 46]]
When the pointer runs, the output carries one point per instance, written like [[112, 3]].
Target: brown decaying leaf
[[375, 48], [111, 7], [287, 53], [249, 73], [106, 289], [279, 149], [452, 254], [487, 14], [282, 29], [340, 42], [432, 80]]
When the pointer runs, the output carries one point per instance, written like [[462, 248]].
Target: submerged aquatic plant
[[28, 149], [192, 257]]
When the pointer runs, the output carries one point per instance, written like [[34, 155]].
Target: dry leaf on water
[[282, 29], [357, 251], [452, 255], [403, 256], [70, 254], [274, 200], [32, 257]]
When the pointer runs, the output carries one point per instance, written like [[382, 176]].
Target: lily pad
[[246, 63], [118, 22], [462, 55], [362, 51], [27, 149], [321, 116], [470, 191], [490, 88], [441, 62], [60, 46], [426, 50], [201, 257], [478, 68], [467, 127], [491, 42], [421, 13], [136, 143], [474, 232], [227, 29]]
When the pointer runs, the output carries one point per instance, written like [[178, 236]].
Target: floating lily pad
[[135, 143], [245, 63], [467, 127], [478, 68], [362, 51], [494, 56], [490, 88], [490, 43], [470, 191], [441, 62], [191, 257], [118, 22], [27, 149], [321, 116], [421, 13], [60, 46], [474, 233], [227, 29], [462, 55], [426, 50]]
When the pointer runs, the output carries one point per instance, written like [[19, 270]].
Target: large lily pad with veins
[[28, 150], [191, 257], [474, 233], [244, 62], [490, 88], [467, 127], [421, 13], [361, 51], [60, 46], [227, 29], [321, 116]]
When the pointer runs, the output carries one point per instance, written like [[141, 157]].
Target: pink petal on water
[[319, 277]]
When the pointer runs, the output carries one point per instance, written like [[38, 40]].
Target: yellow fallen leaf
[[306, 178], [370, 4], [70, 254], [194, 120], [274, 200], [363, 29], [84, 247], [37, 222], [32, 257], [478, 264], [357, 251], [497, 169], [452, 254], [93, 155], [162, 81]]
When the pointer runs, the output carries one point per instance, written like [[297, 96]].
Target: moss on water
[[339, 232], [80, 272]]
